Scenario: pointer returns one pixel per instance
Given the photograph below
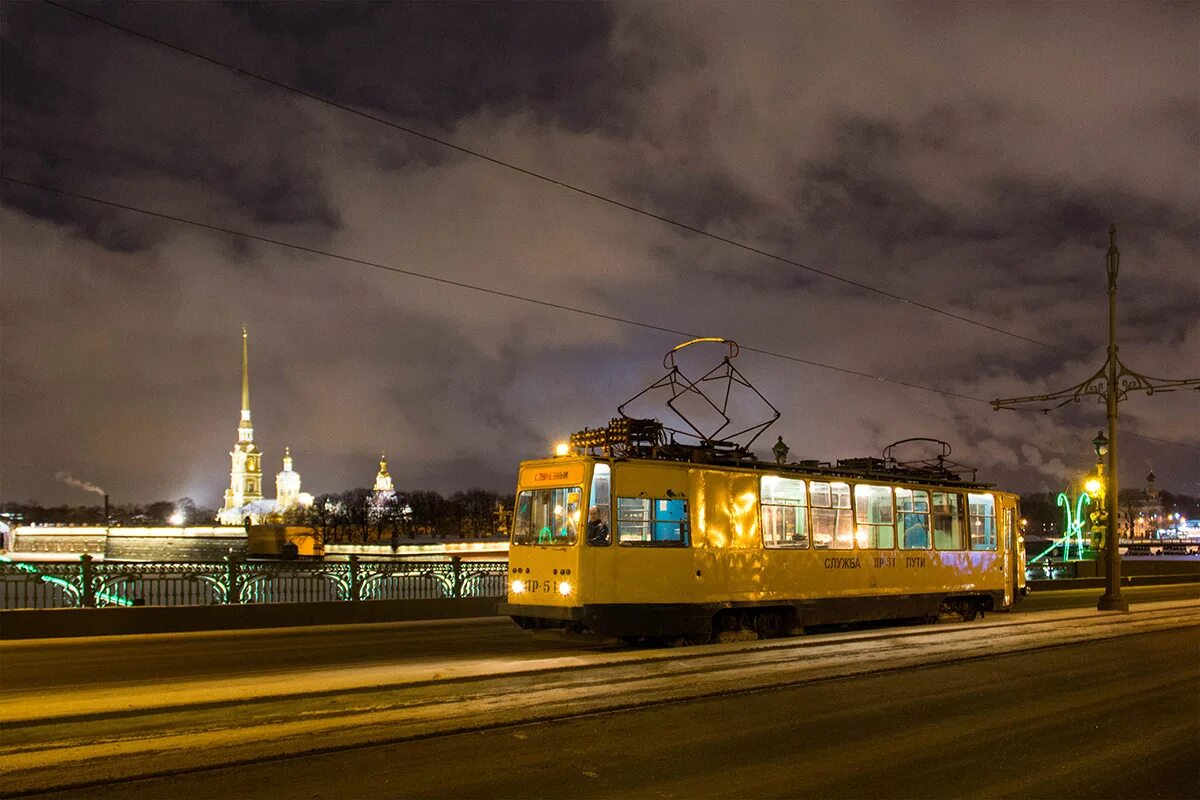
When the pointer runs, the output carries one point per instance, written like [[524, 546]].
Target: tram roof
[[629, 439], [861, 469]]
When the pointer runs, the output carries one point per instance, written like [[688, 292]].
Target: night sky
[[968, 156]]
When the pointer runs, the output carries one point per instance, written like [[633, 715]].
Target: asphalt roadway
[[1114, 719], [113, 660], [1117, 717]]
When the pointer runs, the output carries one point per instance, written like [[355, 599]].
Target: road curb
[[57, 623]]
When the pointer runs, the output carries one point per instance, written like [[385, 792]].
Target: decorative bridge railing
[[88, 583]]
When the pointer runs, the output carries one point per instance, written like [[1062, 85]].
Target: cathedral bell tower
[[287, 484], [245, 473], [383, 481]]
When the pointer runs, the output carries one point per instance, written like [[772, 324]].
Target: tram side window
[[873, 512], [982, 509], [547, 516], [655, 523], [599, 522], [832, 522], [948, 521], [784, 512], [912, 518]]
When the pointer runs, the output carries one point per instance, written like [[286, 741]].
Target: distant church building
[[1142, 516], [383, 488], [244, 497], [245, 473], [287, 483]]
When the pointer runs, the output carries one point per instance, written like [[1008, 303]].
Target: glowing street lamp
[[1096, 486]]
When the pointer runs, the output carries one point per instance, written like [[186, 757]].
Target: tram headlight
[[564, 588], [518, 586]]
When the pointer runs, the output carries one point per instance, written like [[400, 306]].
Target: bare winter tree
[[359, 508]]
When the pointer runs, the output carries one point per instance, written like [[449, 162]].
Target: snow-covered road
[[75, 736]]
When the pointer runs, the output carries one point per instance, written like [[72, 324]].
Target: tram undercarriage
[[702, 623]]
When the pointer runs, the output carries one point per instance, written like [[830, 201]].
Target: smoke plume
[[87, 487]]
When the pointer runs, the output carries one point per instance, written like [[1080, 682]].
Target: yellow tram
[[680, 543]]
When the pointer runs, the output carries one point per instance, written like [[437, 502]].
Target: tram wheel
[[768, 624]]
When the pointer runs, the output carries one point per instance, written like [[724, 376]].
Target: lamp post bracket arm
[[1096, 385]]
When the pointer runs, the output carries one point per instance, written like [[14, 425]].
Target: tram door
[[1011, 567], [651, 534], [601, 559]]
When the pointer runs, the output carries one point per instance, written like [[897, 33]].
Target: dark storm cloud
[[422, 62], [111, 229], [398, 154], [77, 117], [971, 159], [1056, 214], [686, 192], [857, 187], [428, 62]]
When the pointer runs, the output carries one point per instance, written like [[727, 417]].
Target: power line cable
[[554, 181], [1044, 412], [521, 298], [546, 178], [1163, 441], [464, 285]]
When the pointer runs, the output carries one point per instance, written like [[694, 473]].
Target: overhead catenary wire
[[548, 179], [465, 285], [1161, 441], [498, 292], [509, 295], [694, 229]]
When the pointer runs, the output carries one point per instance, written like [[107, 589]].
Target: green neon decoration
[[1074, 523], [1072, 528], [109, 597], [233, 580]]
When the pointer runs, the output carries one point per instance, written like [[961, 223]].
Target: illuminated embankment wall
[[207, 544], [129, 544]]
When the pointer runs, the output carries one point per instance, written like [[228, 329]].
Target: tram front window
[[547, 516]]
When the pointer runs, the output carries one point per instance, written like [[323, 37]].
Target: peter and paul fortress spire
[[245, 377], [245, 473]]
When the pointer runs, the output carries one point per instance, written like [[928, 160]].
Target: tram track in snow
[[173, 729], [83, 704]]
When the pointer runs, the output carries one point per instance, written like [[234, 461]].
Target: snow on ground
[[145, 729]]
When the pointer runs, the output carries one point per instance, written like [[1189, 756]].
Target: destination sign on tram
[[552, 475]]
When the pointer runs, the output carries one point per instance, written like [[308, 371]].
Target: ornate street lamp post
[[1112, 384], [1102, 493]]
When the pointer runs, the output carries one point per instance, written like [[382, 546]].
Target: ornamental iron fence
[[88, 583]]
